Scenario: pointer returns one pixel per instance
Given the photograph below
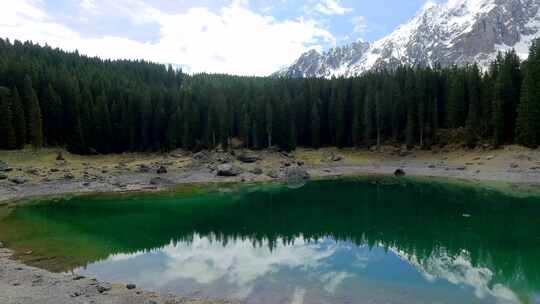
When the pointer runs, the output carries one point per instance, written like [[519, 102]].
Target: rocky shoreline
[[22, 284], [221, 167]]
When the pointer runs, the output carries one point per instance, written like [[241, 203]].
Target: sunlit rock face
[[456, 32]]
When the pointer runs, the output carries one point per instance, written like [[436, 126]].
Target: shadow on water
[[418, 220]]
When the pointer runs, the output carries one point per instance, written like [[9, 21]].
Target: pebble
[[101, 288], [131, 286]]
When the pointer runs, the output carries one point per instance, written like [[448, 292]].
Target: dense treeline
[[55, 98]]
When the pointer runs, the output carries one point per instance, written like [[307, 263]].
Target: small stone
[[131, 286], [76, 294], [78, 277], [490, 157], [273, 174], [257, 171], [2, 245], [3, 176], [69, 176], [461, 168], [86, 184], [162, 170], [514, 166]]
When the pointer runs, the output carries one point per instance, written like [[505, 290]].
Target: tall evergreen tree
[[19, 121], [33, 115], [315, 125], [7, 132], [528, 120]]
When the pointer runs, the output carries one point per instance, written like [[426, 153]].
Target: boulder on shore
[[143, 168], [248, 158], [228, 170], [60, 156], [399, 173], [273, 174], [3, 166]]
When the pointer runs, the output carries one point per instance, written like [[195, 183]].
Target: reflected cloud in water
[[294, 271]]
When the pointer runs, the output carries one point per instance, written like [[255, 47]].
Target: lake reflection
[[303, 271], [347, 241]]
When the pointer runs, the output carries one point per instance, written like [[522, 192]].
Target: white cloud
[[331, 7], [233, 40], [359, 23], [89, 5]]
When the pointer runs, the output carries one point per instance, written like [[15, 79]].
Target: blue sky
[[248, 37]]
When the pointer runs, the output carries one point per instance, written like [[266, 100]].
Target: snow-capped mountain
[[455, 32]]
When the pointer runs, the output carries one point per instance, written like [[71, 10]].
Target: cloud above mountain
[[231, 38]]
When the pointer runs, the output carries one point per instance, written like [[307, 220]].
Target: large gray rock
[[3, 166], [248, 158], [19, 180], [228, 170]]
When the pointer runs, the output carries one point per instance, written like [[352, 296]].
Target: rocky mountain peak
[[455, 32]]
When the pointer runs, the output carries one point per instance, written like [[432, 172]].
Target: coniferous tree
[[18, 119], [7, 132], [315, 125], [528, 120], [33, 115]]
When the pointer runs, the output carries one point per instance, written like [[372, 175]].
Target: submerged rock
[[399, 173], [296, 177], [228, 170]]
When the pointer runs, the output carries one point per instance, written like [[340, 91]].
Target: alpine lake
[[355, 240]]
